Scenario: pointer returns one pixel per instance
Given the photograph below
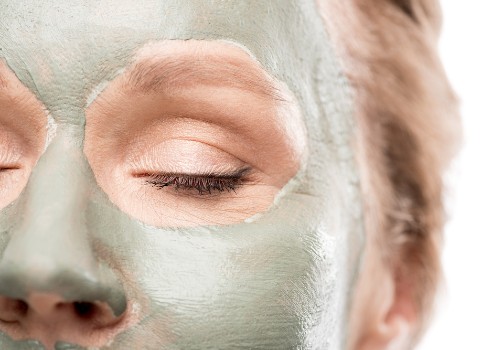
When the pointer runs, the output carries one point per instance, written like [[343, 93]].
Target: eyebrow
[[164, 73]]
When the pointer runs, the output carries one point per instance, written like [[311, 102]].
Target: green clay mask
[[215, 266]]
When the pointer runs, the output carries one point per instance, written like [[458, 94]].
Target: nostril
[[49, 318], [12, 310], [21, 307], [84, 309], [97, 314]]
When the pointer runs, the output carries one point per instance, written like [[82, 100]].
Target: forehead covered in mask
[[67, 49], [283, 277]]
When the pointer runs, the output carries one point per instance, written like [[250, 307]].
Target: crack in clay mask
[[176, 206]]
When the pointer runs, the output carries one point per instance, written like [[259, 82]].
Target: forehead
[[67, 48]]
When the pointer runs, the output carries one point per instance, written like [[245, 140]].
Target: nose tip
[[18, 280], [70, 306], [51, 309], [48, 318]]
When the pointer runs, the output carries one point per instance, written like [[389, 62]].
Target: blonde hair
[[408, 125]]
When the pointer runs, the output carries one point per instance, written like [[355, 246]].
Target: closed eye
[[201, 184], [9, 167]]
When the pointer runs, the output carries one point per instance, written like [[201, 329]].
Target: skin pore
[[183, 201]]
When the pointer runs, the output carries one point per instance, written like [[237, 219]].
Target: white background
[[469, 313]]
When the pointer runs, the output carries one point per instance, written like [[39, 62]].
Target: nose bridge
[[50, 238], [49, 250]]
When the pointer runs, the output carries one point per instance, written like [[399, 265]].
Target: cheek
[[260, 284]]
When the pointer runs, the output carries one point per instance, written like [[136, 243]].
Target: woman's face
[[174, 175]]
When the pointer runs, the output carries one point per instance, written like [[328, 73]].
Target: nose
[[52, 288]]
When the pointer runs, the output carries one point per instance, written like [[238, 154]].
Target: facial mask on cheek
[[281, 280]]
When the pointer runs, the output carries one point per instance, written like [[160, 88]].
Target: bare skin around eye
[[23, 121], [193, 133]]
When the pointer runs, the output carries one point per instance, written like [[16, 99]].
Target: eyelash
[[205, 184]]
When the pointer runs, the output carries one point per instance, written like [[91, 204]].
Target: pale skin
[[185, 142], [193, 129], [172, 155]]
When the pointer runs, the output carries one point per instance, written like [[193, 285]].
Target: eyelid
[[10, 160], [216, 174], [204, 183], [184, 157], [9, 167]]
